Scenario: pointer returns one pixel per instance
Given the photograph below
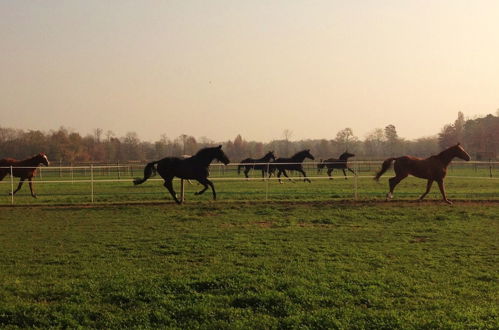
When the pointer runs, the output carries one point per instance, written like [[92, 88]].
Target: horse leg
[[30, 181], [442, 190], [304, 176], [21, 181], [344, 173], [393, 182], [212, 188], [205, 182], [353, 172], [205, 186], [2, 174], [286, 175], [246, 171], [428, 187], [279, 172], [329, 172], [168, 185]]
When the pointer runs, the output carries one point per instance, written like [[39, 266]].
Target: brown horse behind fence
[[433, 168], [23, 169]]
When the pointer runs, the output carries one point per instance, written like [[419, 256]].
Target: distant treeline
[[480, 138]]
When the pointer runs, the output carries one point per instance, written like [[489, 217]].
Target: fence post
[[11, 185], [267, 179], [490, 167], [119, 174], [72, 174], [356, 170], [92, 182], [182, 191]]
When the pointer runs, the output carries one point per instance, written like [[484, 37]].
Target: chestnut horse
[[23, 169], [433, 168]]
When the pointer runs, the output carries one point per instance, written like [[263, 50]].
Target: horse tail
[[386, 165], [247, 160], [320, 166], [149, 170]]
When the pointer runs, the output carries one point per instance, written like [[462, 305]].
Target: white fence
[[90, 176]]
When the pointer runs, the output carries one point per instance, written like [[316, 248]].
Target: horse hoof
[[34, 196], [448, 202]]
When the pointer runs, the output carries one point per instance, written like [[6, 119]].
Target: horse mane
[[203, 151], [451, 152], [344, 156], [38, 157], [446, 151], [299, 153]]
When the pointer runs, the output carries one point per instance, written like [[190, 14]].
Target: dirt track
[[168, 203]]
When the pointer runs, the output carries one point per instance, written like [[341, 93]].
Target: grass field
[[286, 264], [114, 185]]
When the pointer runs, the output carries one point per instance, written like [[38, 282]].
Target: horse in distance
[[332, 163], [256, 164], [294, 163], [23, 169], [194, 168], [433, 168]]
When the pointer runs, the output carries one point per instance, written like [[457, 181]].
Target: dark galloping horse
[[195, 167], [333, 163], [291, 164], [23, 169], [433, 168], [256, 164]]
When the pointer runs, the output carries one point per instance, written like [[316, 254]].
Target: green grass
[[251, 265], [64, 187]]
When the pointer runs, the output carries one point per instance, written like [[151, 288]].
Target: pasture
[[113, 184], [95, 251], [315, 264]]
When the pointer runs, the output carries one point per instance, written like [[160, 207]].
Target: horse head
[[270, 156], [42, 159], [460, 153], [308, 155], [346, 155], [220, 155]]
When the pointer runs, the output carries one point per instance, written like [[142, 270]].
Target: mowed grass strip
[[230, 189], [251, 265]]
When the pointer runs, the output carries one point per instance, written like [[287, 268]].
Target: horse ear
[[459, 143], [220, 147]]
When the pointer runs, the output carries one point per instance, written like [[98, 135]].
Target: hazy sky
[[222, 68]]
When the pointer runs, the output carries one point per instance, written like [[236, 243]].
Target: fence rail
[[98, 183]]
